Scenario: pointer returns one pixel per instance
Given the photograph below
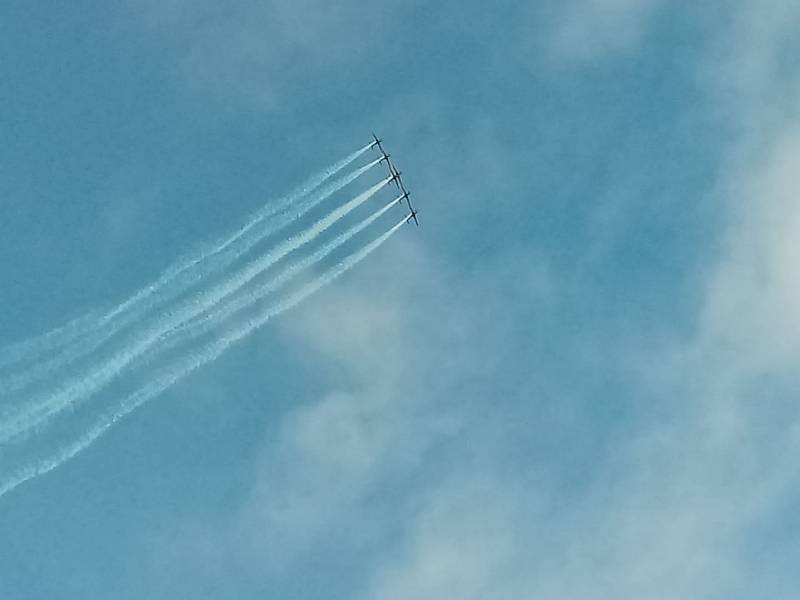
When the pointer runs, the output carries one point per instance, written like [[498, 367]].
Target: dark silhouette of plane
[[384, 155], [377, 143], [396, 177], [413, 215]]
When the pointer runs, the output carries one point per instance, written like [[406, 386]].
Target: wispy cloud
[[753, 301], [585, 31], [252, 53]]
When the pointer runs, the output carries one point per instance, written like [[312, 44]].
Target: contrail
[[204, 323], [186, 279], [186, 365], [38, 410], [55, 339], [31, 348], [266, 212]]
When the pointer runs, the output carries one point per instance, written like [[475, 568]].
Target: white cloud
[[250, 52], [584, 31], [749, 72], [753, 309], [659, 522], [398, 363], [677, 509], [459, 545]]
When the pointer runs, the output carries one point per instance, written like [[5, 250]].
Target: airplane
[[413, 215], [411, 208], [396, 177], [377, 143], [384, 155]]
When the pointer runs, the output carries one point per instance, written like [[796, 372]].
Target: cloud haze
[[585, 31]]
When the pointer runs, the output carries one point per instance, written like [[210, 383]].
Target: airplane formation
[[395, 178]]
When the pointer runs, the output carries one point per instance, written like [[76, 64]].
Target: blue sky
[[577, 379]]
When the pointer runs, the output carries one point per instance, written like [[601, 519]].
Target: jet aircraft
[[384, 155], [396, 177], [377, 143]]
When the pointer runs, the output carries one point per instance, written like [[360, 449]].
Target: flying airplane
[[413, 215], [377, 143], [396, 177], [384, 155], [405, 196]]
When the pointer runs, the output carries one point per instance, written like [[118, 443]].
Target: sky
[[576, 379]]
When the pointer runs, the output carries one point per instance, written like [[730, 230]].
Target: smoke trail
[[186, 279], [55, 339], [266, 212], [204, 323], [38, 410], [185, 366], [27, 350]]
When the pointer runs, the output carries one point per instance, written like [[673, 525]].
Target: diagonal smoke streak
[[267, 211], [185, 366], [188, 277], [37, 410], [30, 349], [210, 320]]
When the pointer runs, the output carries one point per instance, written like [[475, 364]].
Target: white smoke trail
[[39, 409], [266, 212], [211, 319], [185, 366], [188, 277], [31, 349]]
